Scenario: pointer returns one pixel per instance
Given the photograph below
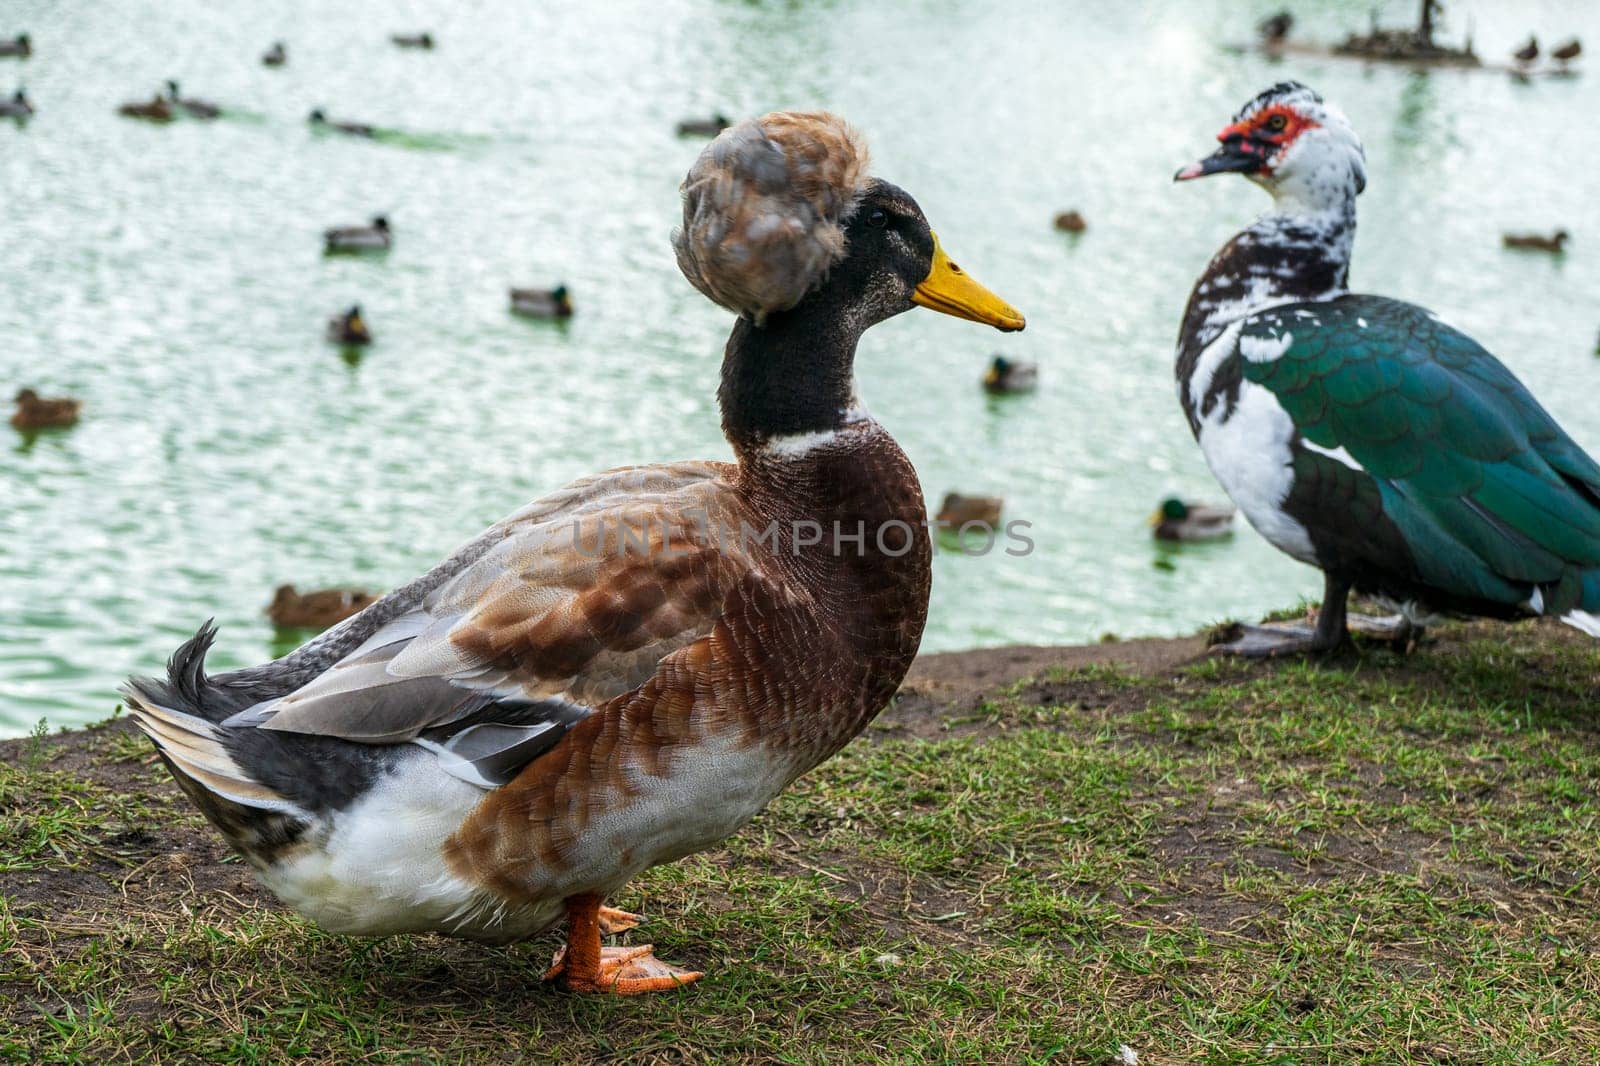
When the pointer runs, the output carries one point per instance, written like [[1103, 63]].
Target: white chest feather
[[1248, 450]]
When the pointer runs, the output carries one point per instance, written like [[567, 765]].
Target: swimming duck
[[320, 121], [276, 56], [315, 610], [39, 412], [200, 109], [959, 510], [1363, 435], [1527, 53], [1567, 52], [704, 127], [1178, 519], [19, 47], [376, 237], [19, 106], [1274, 28], [1538, 242], [542, 303], [157, 110], [513, 736], [1007, 375], [1071, 222], [349, 328], [412, 40]]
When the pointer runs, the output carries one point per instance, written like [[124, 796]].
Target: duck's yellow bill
[[950, 291]]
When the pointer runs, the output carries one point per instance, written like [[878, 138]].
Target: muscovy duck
[[1360, 434]]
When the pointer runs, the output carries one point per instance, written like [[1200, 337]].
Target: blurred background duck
[[19, 106], [1566, 53], [1527, 53], [1071, 222], [500, 744], [276, 56], [1538, 242], [704, 127], [157, 110], [542, 303], [412, 40], [40, 412], [194, 108], [375, 237], [1179, 519], [315, 610], [349, 328], [959, 510], [19, 47], [320, 121], [1009, 375], [1274, 29]]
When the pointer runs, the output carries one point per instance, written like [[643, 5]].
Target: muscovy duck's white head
[[1294, 144]]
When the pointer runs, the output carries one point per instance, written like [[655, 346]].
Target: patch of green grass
[[1373, 860]]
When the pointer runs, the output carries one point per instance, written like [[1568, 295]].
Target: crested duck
[[1011, 375], [19, 47], [320, 121], [157, 110], [704, 127], [1527, 53], [375, 237], [276, 56], [412, 40], [958, 511], [1179, 519], [194, 108], [1538, 242], [629, 669], [40, 412], [318, 610], [349, 327], [1567, 52], [542, 303], [1071, 222], [1362, 435], [19, 106]]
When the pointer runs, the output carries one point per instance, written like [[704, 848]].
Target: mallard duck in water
[[315, 610], [1178, 519], [515, 735], [19, 47], [349, 328], [704, 127], [1071, 222], [40, 412], [19, 106], [201, 109], [375, 237], [412, 40], [1538, 242], [1361, 434], [320, 121], [276, 56], [1009, 375], [157, 110], [542, 303], [959, 510]]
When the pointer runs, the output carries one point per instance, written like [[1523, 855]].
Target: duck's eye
[[878, 219], [1277, 123]]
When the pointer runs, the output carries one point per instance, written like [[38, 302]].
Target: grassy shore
[[1036, 854]]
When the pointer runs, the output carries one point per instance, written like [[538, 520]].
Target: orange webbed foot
[[613, 921], [623, 971]]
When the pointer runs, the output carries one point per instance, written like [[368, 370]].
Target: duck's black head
[[172, 89], [381, 222], [317, 117], [26, 396]]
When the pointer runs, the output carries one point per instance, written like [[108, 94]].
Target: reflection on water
[[173, 278]]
